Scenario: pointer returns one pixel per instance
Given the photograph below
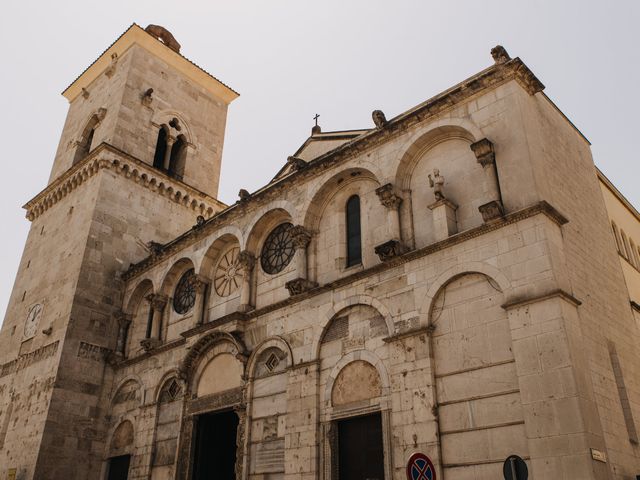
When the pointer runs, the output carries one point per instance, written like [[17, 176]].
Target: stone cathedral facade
[[447, 282]]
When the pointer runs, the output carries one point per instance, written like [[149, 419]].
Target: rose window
[[278, 249], [185, 294], [227, 276]]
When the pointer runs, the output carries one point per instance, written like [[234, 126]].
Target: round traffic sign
[[420, 467], [515, 468]]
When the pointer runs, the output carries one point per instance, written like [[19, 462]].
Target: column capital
[[246, 260], [157, 301], [301, 236], [388, 197], [124, 319], [200, 282], [484, 152]]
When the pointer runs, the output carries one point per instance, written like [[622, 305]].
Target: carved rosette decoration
[[227, 276], [388, 197]]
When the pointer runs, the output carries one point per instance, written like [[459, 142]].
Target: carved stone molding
[[491, 211], [388, 250], [388, 197], [484, 152], [228, 398], [200, 282], [300, 236], [299, 285], [129, 167]]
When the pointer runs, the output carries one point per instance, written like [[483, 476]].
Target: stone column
[[301, 238], [392, 202], [246, 262], [157, 303], [444, 219], [167, 154], [124, 322], [200, 283], [484, 152]]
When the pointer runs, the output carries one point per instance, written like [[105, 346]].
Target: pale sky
[[292, 59]]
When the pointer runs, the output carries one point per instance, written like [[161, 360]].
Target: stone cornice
[[106, 156], [491, 77], [557, 293]]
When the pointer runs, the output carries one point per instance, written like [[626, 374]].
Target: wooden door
[[360, 451]]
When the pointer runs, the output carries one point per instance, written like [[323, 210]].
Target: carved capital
[[124, 319], [157, 301], [299, 285], [491, 211], [388, 250], [483, 150], [388, 197], [246, 260], [300, 236], [200, 282], [170, 140]]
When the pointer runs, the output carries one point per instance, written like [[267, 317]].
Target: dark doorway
[[119, 467], [360, 456], [215, 452]]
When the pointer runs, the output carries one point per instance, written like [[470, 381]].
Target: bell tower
[[138, 161]]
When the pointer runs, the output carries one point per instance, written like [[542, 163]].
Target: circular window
[[226, 278], [184, 296], [278, 249]]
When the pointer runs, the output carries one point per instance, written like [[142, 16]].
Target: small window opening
[[272, 362], [161, 149], [354, 240], [176, 161]]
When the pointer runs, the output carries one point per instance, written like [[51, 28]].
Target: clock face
[[33, 319]]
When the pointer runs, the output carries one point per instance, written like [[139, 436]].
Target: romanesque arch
[[476, 387]]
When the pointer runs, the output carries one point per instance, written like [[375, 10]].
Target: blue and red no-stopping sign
[[420, 467]]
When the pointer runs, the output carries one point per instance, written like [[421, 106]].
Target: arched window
[[625, 247], [176, 162], [84, 145], [171, 161], [616, 234], [354, 241], [161, 149], [634, 254]]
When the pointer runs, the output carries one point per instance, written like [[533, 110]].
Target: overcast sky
[[292, 59]]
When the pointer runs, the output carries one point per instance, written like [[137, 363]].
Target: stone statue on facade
[[437, 183]]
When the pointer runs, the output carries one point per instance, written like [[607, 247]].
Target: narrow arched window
[[176, 162], [161, 149], [84, 145], [616, 234], [354, 238], [625, 244], [634, 254]]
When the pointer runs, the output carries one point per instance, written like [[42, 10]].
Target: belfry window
[[84, 144], [354, 240], [161, 149], [170, 153]]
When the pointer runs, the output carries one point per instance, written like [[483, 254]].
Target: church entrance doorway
[[215, 450], [119, 467], [360, 451]]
